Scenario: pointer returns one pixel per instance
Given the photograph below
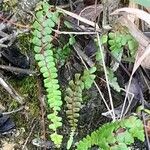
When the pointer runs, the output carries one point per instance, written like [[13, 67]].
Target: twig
[[8, 37], [130, 102], [144, 122], [145, 80], [18, 70], [11, 90], [122, 66], [25, 143], [90, 13], [11, 37], [14, 111], [96, 12], [107, 81], [71, 5], [84, 56], [3, 46], [126, 96], [76, 33], [13, 23], [41, 100], [143, 113], [3, 34]]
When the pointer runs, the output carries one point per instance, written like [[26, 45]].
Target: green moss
[[26, 88], [24, 43]]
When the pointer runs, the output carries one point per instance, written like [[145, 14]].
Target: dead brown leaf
[[134, 11], [91, 12]]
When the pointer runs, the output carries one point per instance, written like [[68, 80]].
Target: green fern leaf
[[126, 138], [113, 80], [42, 39], [102, 137], [37, 26], [120, 146]]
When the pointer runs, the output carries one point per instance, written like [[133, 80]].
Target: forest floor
[[23, 106]]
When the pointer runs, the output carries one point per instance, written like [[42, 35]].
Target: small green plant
[[74, 98], [113, 80], [62, 53], [115, 136], [45, 21], [118, 42], [118, 135]]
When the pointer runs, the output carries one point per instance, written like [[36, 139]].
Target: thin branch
[[115, 59], [13, 23], [13, 111], [18, 70], [126, 96], [3, 46], [11, 90], [42, 108], [76, 33], [25, 143], [83, 55]]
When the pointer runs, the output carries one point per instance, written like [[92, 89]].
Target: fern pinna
[[43, 48], [114, 136], [73, 98]]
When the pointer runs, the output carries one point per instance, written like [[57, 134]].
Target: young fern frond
[[42, 40], [115, 135], [74, 98]]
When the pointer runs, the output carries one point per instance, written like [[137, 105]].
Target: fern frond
[[42, 39], [109, 137], [88, 77], [74, 98]]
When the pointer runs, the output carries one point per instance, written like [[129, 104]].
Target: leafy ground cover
[[74, 74]]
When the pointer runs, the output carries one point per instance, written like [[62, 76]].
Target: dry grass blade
[[107, 81], [89, 12], [143, 54], [133, 18], [86, 21], [144, 49], [144, 44], [75, 33], [140, 59], [134, 11], [136, 33]]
